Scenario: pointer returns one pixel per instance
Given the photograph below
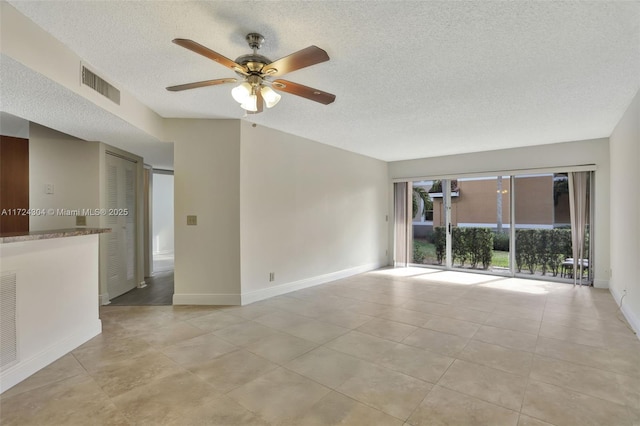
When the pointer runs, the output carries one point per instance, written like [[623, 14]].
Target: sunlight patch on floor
[[520, 285], [459, 278], [404, 272]]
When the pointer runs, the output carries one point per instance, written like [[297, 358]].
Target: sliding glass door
[[429, 223], [544, 227], [515, 225], [481, 220]]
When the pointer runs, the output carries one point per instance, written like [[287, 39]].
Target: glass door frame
[[512, 174], [448, 226]]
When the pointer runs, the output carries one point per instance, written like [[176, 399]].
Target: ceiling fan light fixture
[[271, 98], [241, 93], [251, 103], [257, 90]]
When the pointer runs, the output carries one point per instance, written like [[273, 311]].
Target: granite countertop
[[14, 237]]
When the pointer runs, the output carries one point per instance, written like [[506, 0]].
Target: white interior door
[[121, 218]]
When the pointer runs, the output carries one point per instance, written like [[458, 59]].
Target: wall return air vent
[[8, 330], [90, 79]]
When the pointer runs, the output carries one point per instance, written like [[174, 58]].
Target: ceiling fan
[[257, 71]]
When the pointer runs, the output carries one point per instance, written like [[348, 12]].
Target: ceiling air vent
[[89, 78]]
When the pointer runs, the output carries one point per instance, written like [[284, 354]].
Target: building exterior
[[542, 203]]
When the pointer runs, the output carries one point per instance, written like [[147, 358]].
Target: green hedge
[[440, 241], [501, 241], [469, 244], [542, 248], [537, 249]]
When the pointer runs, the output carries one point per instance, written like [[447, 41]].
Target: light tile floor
[[389, 347]]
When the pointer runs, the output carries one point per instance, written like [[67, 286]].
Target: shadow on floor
[[159, 291]]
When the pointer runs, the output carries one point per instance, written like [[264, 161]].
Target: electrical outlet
[[272, 276], [48, 188], [192, 220]]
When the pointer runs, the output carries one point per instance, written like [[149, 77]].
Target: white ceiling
[[412, 78]]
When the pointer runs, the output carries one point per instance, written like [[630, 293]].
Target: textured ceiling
[[412, 79]]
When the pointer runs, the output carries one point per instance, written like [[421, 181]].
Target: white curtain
[[402, 193], [578, 211]]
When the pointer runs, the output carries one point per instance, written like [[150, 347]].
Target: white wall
[[267, 202], [551, 156], [625, 212], [206, 184], [56, 300], [309, 212], [72, 166], [162, 213], [33, 47]]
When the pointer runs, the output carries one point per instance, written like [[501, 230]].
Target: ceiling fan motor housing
[[255, 40], [253, 61]]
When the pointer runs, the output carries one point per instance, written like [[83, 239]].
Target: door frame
[[139, 220], [512, 231]]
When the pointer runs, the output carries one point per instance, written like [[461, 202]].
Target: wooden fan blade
[[201, 84], [259, 103], [304, 91], [303, 58], [206, 52]]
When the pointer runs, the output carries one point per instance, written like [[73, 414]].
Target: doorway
[[159, 263], [121, 176], [162, 222]]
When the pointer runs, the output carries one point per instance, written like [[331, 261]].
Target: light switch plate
[[192, 220], [48, 188], [81, 221]]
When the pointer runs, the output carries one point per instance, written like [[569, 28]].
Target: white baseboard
[[25, 368], [257, 295], [104, 299], [631, 317], [206, 299]]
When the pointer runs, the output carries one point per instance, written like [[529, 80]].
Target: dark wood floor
[[159, 291]]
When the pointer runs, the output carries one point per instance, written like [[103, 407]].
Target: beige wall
[[76, 170], [309, 212], [56, 304], [72, 166], [625, 212], [266, 202], [206, 184]]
